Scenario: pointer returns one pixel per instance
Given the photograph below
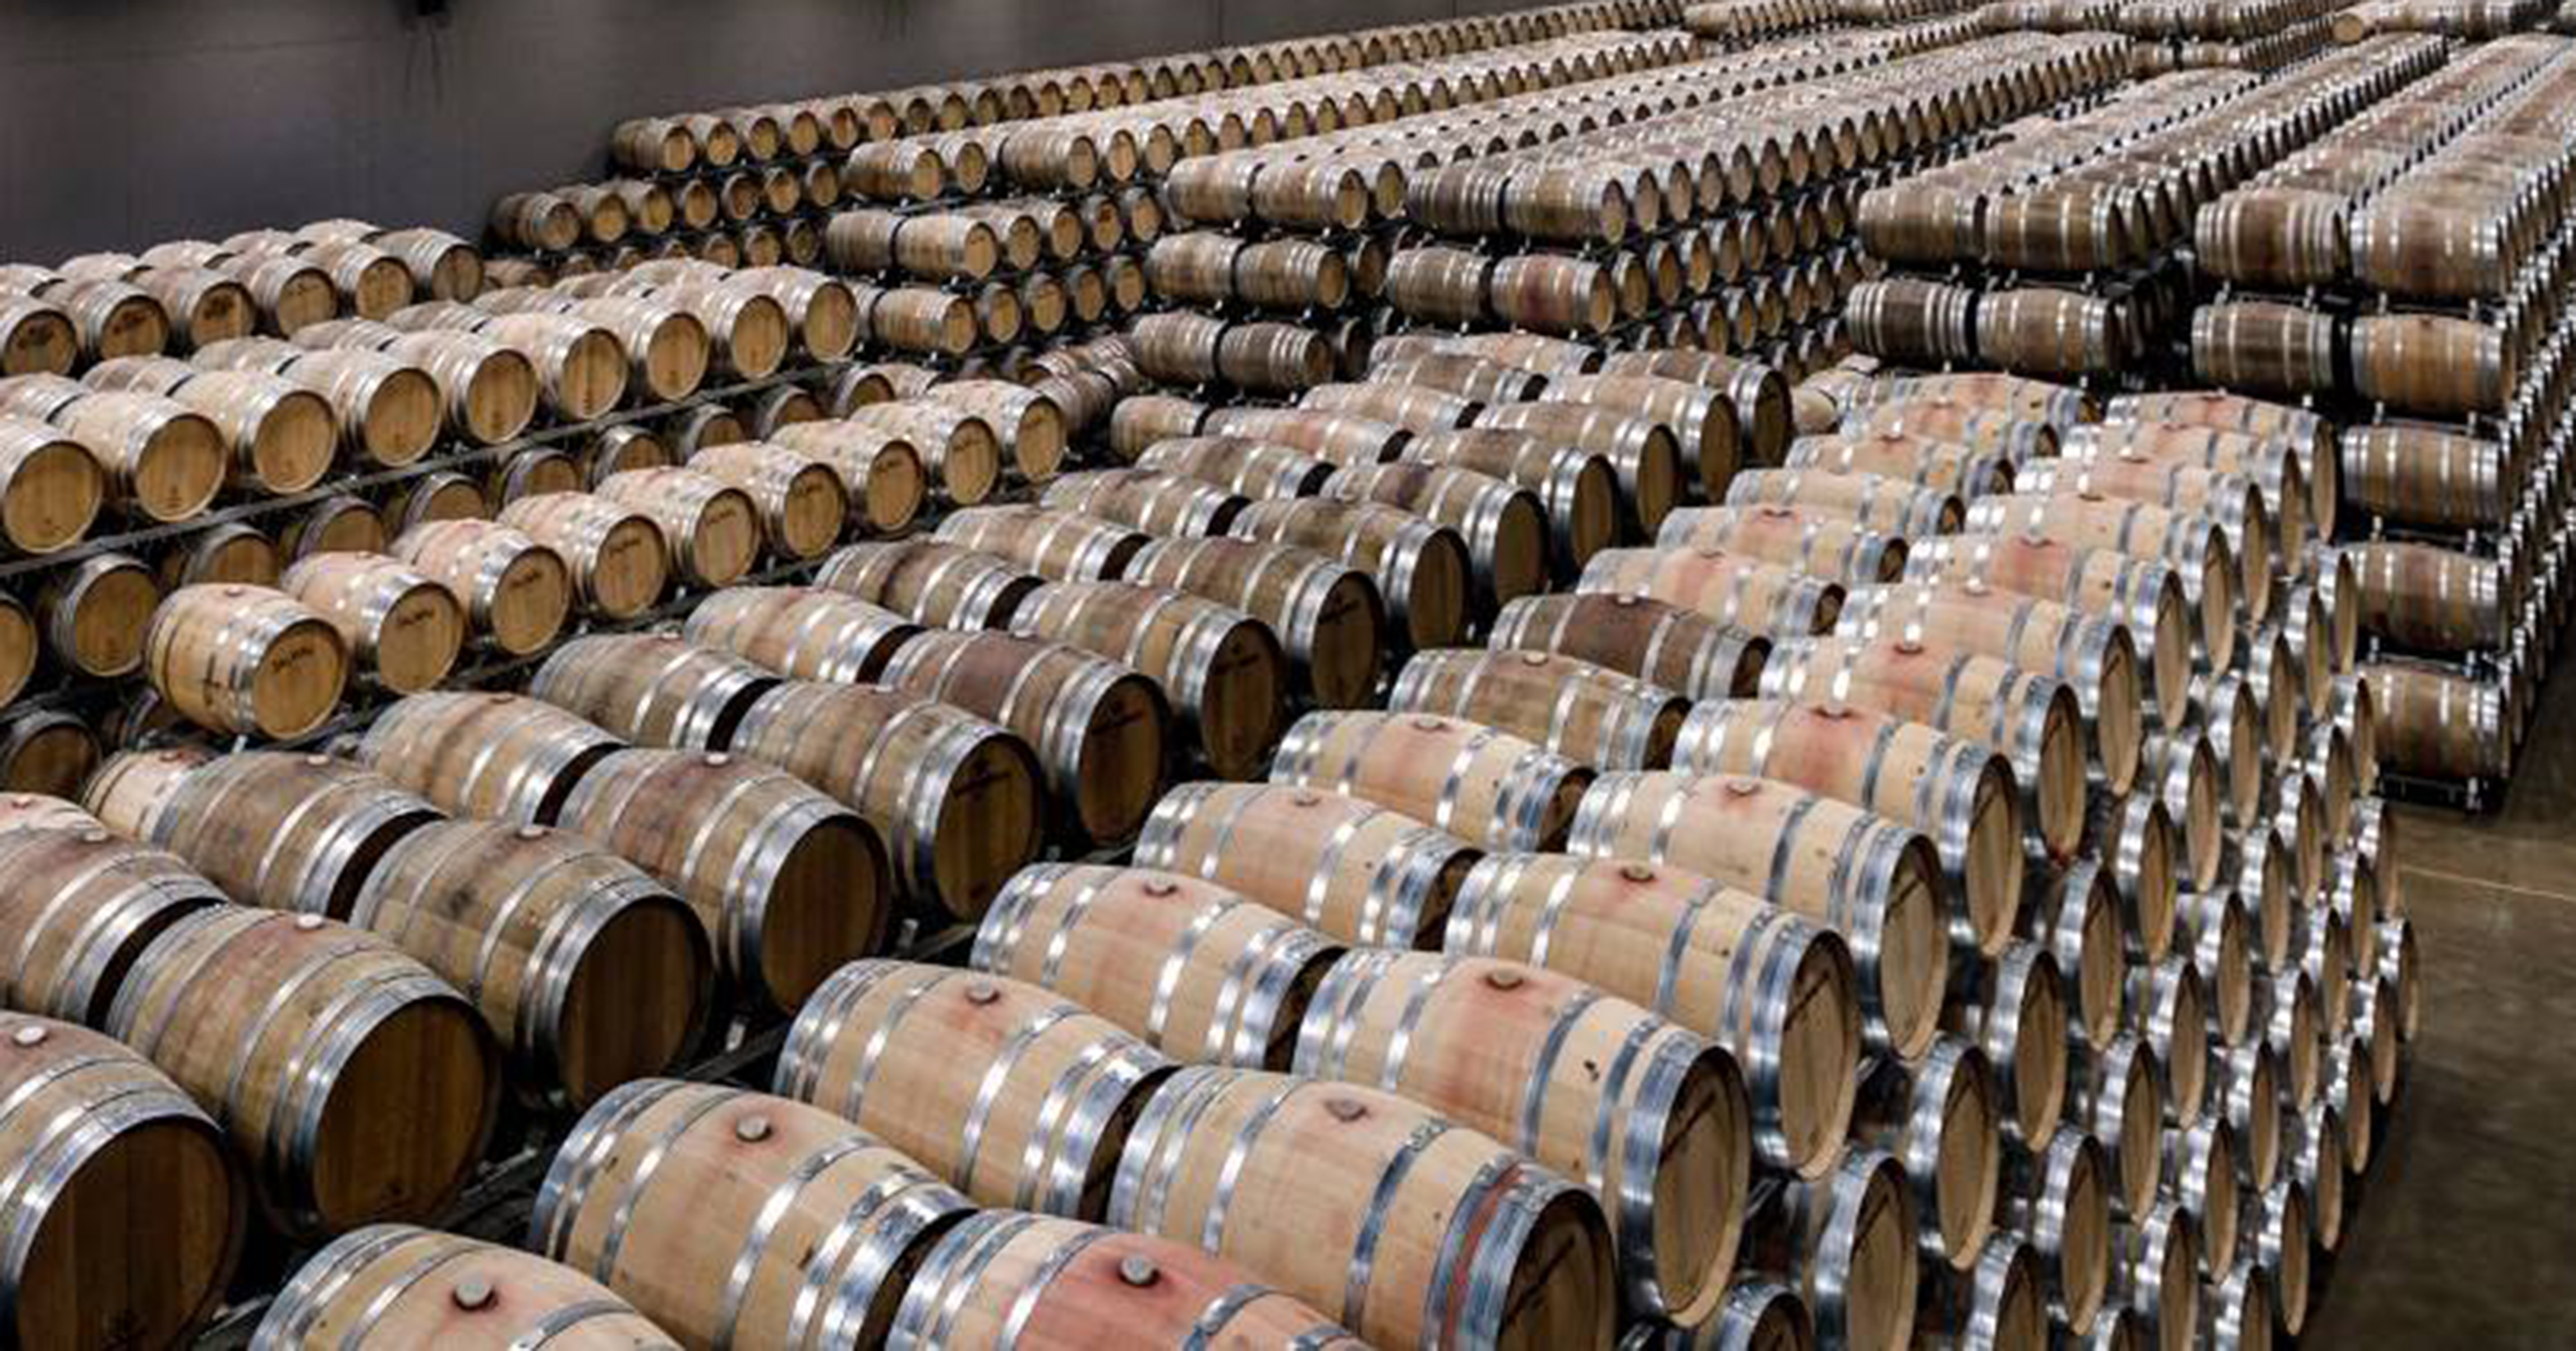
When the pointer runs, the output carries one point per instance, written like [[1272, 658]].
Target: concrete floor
[[2467, 1226]]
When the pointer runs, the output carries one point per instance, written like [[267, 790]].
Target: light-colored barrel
[[1851, 1239], [1817, 543], [882, 473], [1662, 644], [395, 1285], [1201, 973], [86, 904], [1002, 1279], [2143, 594], [1959, 793], [1099, 728], [369, 1083], [1577, 487], [1223, 671], [405, 627], [516, 590], [1780, 993], [616, 556], [1734, 589], [498, 756], [960, 449], [801, 500], [2192, 545], [736, 1218], [245, 660], [1483, 785], [1528, 1254], [653, 689], [286, 831], [94, 1137], [1589, 714], [1161, 503], [934, 582], [1061, 546], [1331, 618], [1354, 870], [1646, 456], [1504, 527], [1563, 1069], [1258, 470], [1874, 882], [2031, 719], [711, 529], [281, 434], [95, 612], [1011, 1094], [788, 883], [804, 633]]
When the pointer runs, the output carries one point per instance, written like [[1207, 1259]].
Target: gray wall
[[128, 122]]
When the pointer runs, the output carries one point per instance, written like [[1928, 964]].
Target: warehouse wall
[[127, 122]]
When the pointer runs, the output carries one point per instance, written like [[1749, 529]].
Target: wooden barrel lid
[[52, 498]]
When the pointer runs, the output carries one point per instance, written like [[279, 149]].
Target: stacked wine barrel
[[2262, 37], [1717, 211], [2427, 295], [2055, 254], [759, 183], [2477, 20]]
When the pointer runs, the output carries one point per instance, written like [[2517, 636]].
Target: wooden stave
[[1645, 455], [2144, 594]]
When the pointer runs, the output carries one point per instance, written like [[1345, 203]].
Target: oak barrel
[[300, 832], [1002, 1280], [1646, 456], [1958, 792], [1362, 873], [405, 627], [1014, 1096], [1888, 504], [801, 500], [93, 614], [1100, 729], [503, 757], [246, 660], [1734, 589], [653, 689], [96, 1140], [586, 969], [281, 434], [1873, 881], [1251, 469], [1495, 1250], [54, 486], [734, 1218], [788, 883], [1577, 487], [931, 581], [1158, 502], [1488, 787], [1224, 672], [392, 1285], [1062, 546], [711, 529], [86, 904], [960, 801], [368, 1084], [517, 591], [1557, 1070], [1504, 527], [1681, 650], [1202, 974], [618, 563], [1589, 714], [1423, 569], [882, 473], [2143, 594], [804, 633], [1819, 543], [1331, 618]]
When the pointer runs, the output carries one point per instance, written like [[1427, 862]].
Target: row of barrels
[[720, 138], [179, 296], [972, 241], [2044, 332], [792, 242], [777, 479], [1628, 155], [2430, 232], [2437, 366], [2120, 187], [2475, 20]]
